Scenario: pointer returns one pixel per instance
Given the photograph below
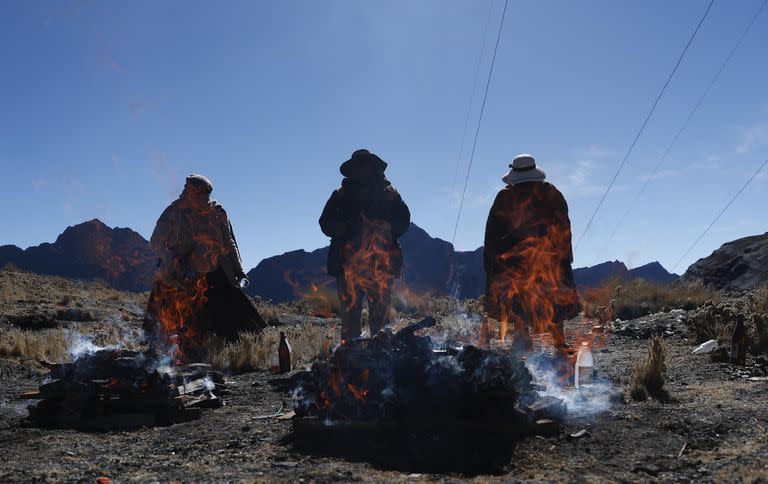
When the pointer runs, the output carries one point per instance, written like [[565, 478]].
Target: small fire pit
[[409, 398], [119, 389]]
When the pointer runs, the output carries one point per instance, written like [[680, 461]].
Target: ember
[[123, 389]]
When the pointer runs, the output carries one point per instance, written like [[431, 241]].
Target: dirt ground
[[714, 429]]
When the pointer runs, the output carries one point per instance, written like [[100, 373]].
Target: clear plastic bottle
[[584, 365]]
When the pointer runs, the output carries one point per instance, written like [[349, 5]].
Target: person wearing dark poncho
[[364, 218], [528, 256], [197, 289]]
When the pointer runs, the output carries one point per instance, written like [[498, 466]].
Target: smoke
[[588, 400], [80, 345], [119, 335]]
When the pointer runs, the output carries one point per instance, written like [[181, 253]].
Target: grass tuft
[[650, 374]]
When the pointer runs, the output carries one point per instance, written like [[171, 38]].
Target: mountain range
[[91, 250], [122, 258], [431, 265]]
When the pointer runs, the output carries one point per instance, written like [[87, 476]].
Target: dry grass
[[254, 351], [55, 345], [639, 298], [409, 305], [650, 374], [49, 345], [27, 293]]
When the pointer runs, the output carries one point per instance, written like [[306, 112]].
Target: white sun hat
[[523, 169]]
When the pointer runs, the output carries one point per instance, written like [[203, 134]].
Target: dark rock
[[736, 266], [720, 355], [651, 469], [73, 314]]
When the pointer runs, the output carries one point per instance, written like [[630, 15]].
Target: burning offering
[[111, 389], [402, 386]]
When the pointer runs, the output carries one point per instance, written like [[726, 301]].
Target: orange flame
[[532, 286], [368, 269]]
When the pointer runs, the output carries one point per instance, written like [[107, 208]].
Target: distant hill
[[430, 265], [123, 259], [738, 265], [91, 250], [600, 274]]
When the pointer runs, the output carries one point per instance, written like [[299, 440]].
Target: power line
[[754, 175], [690, 116], [642, 128], [472, 98], [480, 119]]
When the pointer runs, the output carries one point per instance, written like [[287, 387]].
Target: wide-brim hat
[[523, 169], [362, 163]]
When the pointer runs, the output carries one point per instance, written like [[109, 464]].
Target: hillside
[[736, 266]]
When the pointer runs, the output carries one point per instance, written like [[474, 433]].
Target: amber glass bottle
[[739, 343], [284, 354]]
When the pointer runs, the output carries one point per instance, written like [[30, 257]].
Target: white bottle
[[584, 366]]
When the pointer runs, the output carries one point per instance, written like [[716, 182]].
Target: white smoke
[[588, 400], [80, 345]]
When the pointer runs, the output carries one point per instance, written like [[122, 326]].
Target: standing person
[[364, 218], [528, 256], [197, 289]]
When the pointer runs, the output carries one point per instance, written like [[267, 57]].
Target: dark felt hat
[[363, 163]]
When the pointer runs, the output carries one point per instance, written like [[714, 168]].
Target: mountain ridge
[[123, 259]]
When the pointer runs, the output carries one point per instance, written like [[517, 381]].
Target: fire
[[532, 284], [176, 307], [320, 297], [369, 267]]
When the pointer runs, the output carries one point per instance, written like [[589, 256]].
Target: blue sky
[[106, 106]]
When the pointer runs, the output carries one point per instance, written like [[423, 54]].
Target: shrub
[[639, 298], [650, 374]]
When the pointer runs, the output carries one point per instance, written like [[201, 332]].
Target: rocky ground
[[714, 428]]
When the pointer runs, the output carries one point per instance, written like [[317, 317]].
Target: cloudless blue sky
[[106, 106]]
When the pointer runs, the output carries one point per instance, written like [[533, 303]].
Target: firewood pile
[[404, 379], [118, 389]]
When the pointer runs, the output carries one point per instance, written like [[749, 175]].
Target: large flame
[[531, 289], [369, 267], [177, 308]]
